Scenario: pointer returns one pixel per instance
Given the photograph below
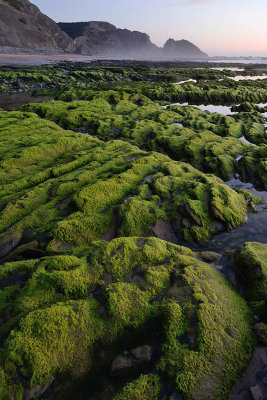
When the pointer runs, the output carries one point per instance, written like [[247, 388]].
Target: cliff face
[[182, 49], [23, 26], [103, 38]]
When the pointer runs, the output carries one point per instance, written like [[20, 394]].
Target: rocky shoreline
[[115, 196]]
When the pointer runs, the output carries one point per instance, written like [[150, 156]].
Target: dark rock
[[37, 390], [194, 217], [142, 353], [186, 223], [217, 214], [182, 49], [131, 359], [21, 249], [24, 28], [256, 393], [210, 256], [163, 230], [217, 226], [31, 252], [261, 332], [121, 362], [9, 242], [96, 37], [254, 381]]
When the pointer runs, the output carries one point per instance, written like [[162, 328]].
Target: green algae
[[208, 141], [146, 387], [251, 260], [133, 175], [58, 334], [71, 193]]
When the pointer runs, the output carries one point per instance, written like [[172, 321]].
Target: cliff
[[24, 27], [182, 49], [103, 38]]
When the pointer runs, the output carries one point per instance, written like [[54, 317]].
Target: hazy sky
[[224, 27]]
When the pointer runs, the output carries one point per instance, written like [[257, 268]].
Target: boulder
[[9, 242], [210, 256], [261, 332], [131, 358], [256, 393]]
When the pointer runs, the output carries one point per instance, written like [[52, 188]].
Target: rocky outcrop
[[24, 27], [97, 38], [182, 49], [103, 38]]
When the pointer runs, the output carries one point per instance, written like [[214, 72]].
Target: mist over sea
[[248, 60]]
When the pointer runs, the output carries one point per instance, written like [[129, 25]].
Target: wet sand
[[41, 59]]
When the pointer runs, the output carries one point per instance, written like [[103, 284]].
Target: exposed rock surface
[[96, 37], [24, 27], [253, 383], [131, 359], [182, 49], [9, 242], [103, 38]]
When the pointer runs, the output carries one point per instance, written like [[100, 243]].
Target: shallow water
[[228, 69], [261, 105], [249, 60], [255, 229], [177, 124], [243, 139], [247, 78], [188, 80], [224, 110], [12, 101]]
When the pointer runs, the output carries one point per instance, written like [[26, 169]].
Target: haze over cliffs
[[183, 48], [23, 27], [97, 37]]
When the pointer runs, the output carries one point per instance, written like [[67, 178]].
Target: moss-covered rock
[[86, 284], [146, 387], [69, 189], [251, 259], [121, 285]]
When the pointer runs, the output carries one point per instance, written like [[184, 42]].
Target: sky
[[218, 27]]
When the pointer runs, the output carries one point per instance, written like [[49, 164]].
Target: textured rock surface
[[23, 26], [96, 37], [182, 48], [103, 38]]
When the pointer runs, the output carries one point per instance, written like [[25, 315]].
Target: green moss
[[251, 260], [128, 304], [136, 280], [67, 190], [146, 387], [190, 367], [49, 341]]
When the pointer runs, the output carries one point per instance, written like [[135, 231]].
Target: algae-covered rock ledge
[[67, 304], [114, 284]]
